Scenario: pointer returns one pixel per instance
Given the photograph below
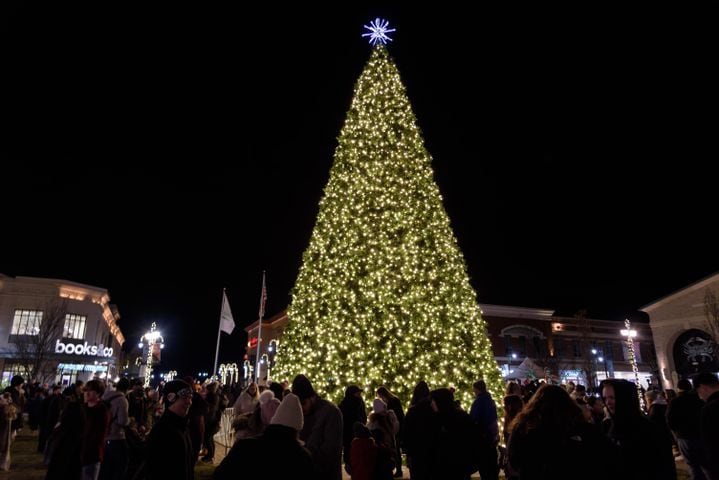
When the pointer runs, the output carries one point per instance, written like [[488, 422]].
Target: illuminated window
[[74, 326], [26, 322], [12, 369]]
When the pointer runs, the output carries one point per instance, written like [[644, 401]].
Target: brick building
[[580, 349]]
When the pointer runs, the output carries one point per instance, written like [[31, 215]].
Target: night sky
[[166, 153]]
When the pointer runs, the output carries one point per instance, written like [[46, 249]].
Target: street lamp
[[265, 360], [509, 362], [628, 332], [153, 338], [599, 358]]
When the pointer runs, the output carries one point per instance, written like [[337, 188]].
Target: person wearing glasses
[[169, 447]]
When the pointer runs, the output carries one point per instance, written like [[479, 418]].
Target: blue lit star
[[378, 31]]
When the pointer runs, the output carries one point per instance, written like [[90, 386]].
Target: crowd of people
[[126, 431]]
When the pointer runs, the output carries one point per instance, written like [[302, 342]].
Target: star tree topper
[[378, 31]]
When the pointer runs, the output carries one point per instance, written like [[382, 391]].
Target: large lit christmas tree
[[383, 295]]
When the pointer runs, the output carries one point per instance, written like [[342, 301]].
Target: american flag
[[263, 297]]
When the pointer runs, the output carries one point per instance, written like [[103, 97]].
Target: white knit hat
[[289, 413], [266, 396], [379, 406]]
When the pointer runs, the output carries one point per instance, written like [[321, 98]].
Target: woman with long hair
[[550, 423], [644, 453]]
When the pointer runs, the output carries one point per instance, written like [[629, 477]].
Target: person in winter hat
[[268, 406], [322, 432], [385, 421], [169, 447], [278, 444]]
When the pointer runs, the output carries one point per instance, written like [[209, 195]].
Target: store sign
[[75, 367], [695, 351], [83, 349]]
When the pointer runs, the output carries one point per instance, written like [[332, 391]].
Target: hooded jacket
[[119, 418]]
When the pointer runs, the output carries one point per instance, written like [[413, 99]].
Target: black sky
[[166, 152]]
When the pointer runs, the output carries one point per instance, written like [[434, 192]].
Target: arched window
[[527, 340]]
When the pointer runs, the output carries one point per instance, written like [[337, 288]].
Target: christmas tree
[[383, 296]]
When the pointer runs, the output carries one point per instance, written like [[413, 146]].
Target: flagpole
[[259, 331], [219, 329]]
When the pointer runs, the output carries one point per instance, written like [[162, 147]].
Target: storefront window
[[12, 369], [26, 322], [74, 326]]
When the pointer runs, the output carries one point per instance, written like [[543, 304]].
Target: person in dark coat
[[484, 415], [96, 422], [707, 387], [683, 418], [643, 452], [212, 421], [196, 419], [455, 451], [65, 444], [169, 448], [277, 445], [322, 431], [49, 415], [353, 410], [421, 431], [552, 422]]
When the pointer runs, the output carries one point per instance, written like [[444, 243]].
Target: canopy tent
[[527, 370]]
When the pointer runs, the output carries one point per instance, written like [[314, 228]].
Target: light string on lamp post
[[630, 334]]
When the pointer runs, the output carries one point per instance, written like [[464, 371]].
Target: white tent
[[526, 370]]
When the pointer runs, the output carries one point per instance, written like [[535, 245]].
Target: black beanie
[[302, 387]]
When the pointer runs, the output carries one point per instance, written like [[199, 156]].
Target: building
[[575, 348], [57, 331], [272, 329], [579, 349], [682, 335]]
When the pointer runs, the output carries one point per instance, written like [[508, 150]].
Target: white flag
[[227, 323]]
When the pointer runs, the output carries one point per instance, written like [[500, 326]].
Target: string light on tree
[[383, 296]]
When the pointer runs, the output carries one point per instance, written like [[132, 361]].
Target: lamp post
[[631, 334], [265, 360], [153, 338], [598, 357], [509, 362]]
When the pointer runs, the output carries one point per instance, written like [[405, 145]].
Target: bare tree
[[711, 312], [587, 361], [33, 352]]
